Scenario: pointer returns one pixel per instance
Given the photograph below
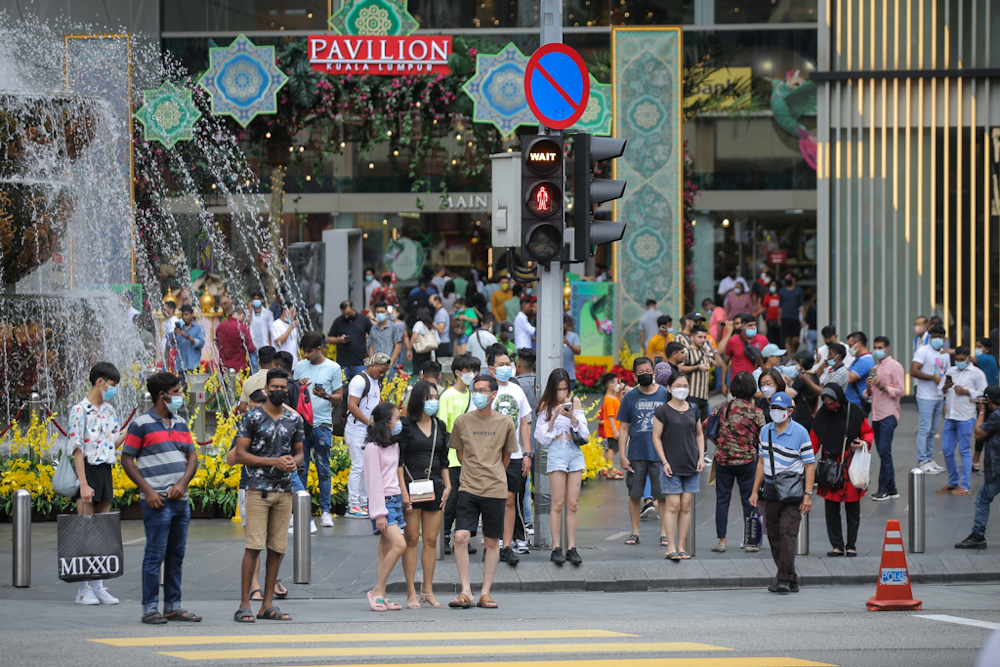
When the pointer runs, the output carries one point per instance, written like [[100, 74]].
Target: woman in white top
[[559, 419]]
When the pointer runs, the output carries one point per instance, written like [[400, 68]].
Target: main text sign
[[380, 54]]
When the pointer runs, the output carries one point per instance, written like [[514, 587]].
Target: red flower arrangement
[[626, 376], [589, 374]]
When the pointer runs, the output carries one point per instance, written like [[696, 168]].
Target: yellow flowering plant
[[593, 451]]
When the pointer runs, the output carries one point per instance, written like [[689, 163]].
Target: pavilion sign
[[380, 54]]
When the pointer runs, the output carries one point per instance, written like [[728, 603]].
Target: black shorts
[[515, 476], [636, 479], [100, 480], [611, 443], [471, 507], [791, 328], [432, 505]]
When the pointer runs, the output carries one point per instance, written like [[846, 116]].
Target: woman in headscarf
[[840, 429]]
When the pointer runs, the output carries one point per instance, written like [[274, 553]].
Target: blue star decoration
[[243, 80], [596, 117], [168, 114], [497, 90]]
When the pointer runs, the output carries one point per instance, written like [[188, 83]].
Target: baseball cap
[[781, 400], [694, 316], [506, 326], [772, 350], [379, 359], [993, 393]]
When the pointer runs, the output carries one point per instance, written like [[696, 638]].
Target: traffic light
[[542, 177], [588, 192]]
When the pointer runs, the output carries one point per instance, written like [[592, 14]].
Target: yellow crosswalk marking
[[657, 662], [464, 650], [361, 637]]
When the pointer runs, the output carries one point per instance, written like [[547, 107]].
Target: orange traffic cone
[[893, 591]]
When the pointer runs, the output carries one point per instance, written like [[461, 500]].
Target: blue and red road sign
[[557, 86]]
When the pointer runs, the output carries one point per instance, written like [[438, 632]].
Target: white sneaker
[[937, 467], [105, 597], [529, 530], [521, 546], [926, 467], [312, 526], [87, 597], [326, 520]]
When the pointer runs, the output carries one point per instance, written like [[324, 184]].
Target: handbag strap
[[430, 464], [770, 453], [847, 427]]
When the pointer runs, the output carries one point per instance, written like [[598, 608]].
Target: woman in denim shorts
[[560, 419]]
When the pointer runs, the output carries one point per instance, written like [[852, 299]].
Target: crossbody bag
[[788, 486], [422, 490]]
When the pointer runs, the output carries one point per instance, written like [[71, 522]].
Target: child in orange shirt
[[607, 425]]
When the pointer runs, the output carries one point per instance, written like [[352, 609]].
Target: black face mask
[[277, 397], [645, 379], [789, 282]]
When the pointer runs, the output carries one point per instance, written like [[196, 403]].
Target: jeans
[[647, 490], [318, 443], [725, 476], [351, 371], [254, 364], [834, 528], [930, 420], [811, 340], [884, 430], [526, 500], [987, 493], [166, 539], [357, 495], [783, 520], [958, 434]]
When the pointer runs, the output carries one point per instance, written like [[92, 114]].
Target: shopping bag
[[90, 546], [859, 470], [753, 527], [65, 481]]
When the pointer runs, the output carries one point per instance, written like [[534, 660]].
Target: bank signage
[[375, 37]]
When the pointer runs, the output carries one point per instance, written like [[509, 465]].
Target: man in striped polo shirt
[[793, 451], [159, 456]]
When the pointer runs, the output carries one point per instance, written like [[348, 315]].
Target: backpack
[[338, 419]]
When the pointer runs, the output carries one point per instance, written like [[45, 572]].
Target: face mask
[[529, 291], [257, 303], [368, 279], [791, 370], [832, 406], [468, 378], [504, 373], [277, 397], [978, 351], [768, 391], [779, 416], [831, 362], [738, 291], [645, 379], [397, 427], [764, 278], [937, 343], [176, 402], [480, 400], [772, 289], [789, 282], [109, 393], [680, 393], [670, 330], [961, 365], [878, 354], [505, 288], [750, 332], [381, 317], [431, 406]]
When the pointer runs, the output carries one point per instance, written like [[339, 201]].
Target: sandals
[[632, 539], [280, 591], [154, 618], [257, 591], [392, 606], [683, 555], [426, 599], [376, 603], [486, 602], [672, 555], [850, 553], [415, 605], [834, 554], [273, 614], [664, 542], [616, 474], [244, 615], [182, 615], [463, 601]]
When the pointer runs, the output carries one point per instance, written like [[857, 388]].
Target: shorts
[[515, 477], [100, 480], [611, 443], [471, 507], [394, 507], [636, 479], [462, 340], [677, 484], [564, 456], [432, 505], [267, 520], [791, 328]]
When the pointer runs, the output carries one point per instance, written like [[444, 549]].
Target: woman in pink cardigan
[[387, 497]]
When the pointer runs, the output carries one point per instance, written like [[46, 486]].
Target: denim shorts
[[461, 340], [394, 505], [677, 484], [564, 456]]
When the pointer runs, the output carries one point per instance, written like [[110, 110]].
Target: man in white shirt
[[481, 339], [260, 323], [371, 284], [171, 320], [964, 384], [829, 333], [928, 368], [647, 322], [363, 395], [729, 283], [524, 332], [285, 332], [511, 401]]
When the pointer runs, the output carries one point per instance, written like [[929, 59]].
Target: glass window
[[210, 15], [751, 242], [765, 11], [652, 12]]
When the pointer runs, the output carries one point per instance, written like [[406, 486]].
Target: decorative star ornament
[[243, 80], [168, 114], [497, 90], [596, 117], [373, 17]]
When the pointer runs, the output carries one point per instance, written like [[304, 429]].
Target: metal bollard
[[35, 406], [917, 518], [802, 547], [440, 540], [692, 528], [300, 537], [22, 538], [147, 402]]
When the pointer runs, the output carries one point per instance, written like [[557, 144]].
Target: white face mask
[[680, 393], [768, 391], [468, 378], [779, 416]]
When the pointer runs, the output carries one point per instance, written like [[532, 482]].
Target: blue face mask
[[878, 354], [961, 365], [937, 343], [397, 428], [431, 406], [480, 400], [381, 317], [257, 303], [176, 402], [109, 393], [504, 373], [791, 370], [750, 332], [368, 279], [670, 330], [979, 351]]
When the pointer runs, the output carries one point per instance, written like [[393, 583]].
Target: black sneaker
[[472, 550], [647, 509], [573, 556], [882, 495], [793, 586], [557, 556], [447, 547], [782, 587], [973, 541], [508, 555]]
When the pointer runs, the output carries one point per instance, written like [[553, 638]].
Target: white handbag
[[422, 490]]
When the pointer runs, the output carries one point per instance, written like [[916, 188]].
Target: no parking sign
[[557, 86]]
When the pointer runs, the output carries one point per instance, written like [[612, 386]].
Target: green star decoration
[[243, 80], [168, 114], [497, 90], [596, 117], [373, 17]]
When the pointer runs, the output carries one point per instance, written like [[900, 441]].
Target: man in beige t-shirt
[[484, 441], [259, 379]]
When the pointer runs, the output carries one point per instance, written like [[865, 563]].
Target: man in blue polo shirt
[[792, 451], [159, 456], [857, 375]]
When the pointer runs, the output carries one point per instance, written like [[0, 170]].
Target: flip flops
[[280, 591], [376, 603]]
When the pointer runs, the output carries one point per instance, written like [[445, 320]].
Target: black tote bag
[[90, 546]]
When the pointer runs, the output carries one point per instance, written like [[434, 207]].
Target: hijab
[[830, 426]]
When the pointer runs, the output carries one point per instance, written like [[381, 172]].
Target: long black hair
[[548, 397], [379, 430], [424, 315], [418, 396]]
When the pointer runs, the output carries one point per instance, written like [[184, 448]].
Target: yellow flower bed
[[593, 451]]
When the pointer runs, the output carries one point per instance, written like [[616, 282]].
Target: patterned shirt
[[93, 430], [839, 375], [160, 448], [270, 438], [384, 339], [699, 379], [739, 428]]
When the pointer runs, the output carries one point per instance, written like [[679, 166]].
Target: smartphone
[[568, 406]]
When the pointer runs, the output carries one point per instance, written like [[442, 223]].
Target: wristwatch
[[530, 455], [808, 493]]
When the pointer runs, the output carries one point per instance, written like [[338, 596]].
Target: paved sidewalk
[[343, 557]]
